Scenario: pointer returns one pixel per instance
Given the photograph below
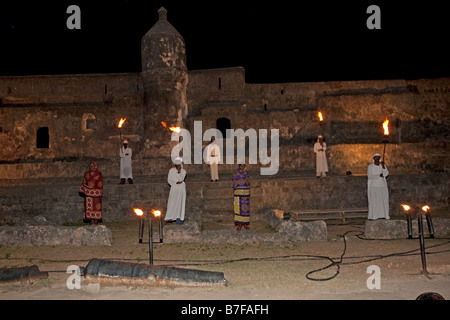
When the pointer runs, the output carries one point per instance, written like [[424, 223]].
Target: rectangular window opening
[[42, 138]]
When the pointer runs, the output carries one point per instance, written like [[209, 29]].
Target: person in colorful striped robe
[[241, 188]]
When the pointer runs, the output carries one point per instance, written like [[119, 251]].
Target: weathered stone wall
[[71, 90], [29, 103], [354, 112], [59, 202], [352, 128], [351, 192]]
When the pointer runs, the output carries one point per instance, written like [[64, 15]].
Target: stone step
[[216, 215], [218, 204], [213, 194], [223, 203], [325, 214]]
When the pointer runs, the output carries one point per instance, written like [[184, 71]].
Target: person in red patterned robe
[[92, 191]]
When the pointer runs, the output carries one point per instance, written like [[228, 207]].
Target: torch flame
[[138, 212], [425, 208], [386, 127], [320, 116], [173, 129], [156, 213], [406, 207], [121, 122]]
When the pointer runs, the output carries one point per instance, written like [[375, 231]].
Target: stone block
[[296, 230], [304, 231], [189, 231], [41, 235], [386, 229], [92, 236], [398, 229]]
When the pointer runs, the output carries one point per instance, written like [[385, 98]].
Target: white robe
[[177, 197], [213, 153], [321, 158], [126, 171], [213, 158], [377, 192]]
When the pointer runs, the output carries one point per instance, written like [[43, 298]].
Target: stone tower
[[165, 79]]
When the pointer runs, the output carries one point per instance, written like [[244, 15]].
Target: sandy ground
[[253, 272]]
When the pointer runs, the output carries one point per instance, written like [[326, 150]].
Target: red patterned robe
[[92, 188]]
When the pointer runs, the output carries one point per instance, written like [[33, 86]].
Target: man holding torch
[[176, 204], [126, 172], [377, 190], [321, 159]]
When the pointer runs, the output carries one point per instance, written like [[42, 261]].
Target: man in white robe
[[321, 158], [126, 172], [377, 190], [177, 197], [213, 159]]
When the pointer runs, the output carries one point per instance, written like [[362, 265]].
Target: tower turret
[[165, 79], [163, 48]]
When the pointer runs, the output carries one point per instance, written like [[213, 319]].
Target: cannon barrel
[[22, 274], [118, 272]]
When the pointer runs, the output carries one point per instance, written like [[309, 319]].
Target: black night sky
[[275, 41]]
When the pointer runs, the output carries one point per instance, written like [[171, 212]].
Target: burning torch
[[427, 209], [408, 219], [320, 115], [140, 214], [386, 135], [173, 129], [157, 214], [121, 122]]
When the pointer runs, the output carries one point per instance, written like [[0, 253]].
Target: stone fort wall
[[81, 113], [52, 126]]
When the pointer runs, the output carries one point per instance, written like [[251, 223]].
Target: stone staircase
[[217, 202], [217, 205]]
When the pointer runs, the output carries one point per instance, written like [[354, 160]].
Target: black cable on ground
[[333, 263]]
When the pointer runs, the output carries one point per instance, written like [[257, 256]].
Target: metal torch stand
[[422, 241], [422, 246], [150, 240], [150, 235]]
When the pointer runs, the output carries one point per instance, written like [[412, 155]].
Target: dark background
[[275, 41]]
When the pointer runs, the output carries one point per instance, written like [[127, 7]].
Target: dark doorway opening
[[42, 138], [222, 124]]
